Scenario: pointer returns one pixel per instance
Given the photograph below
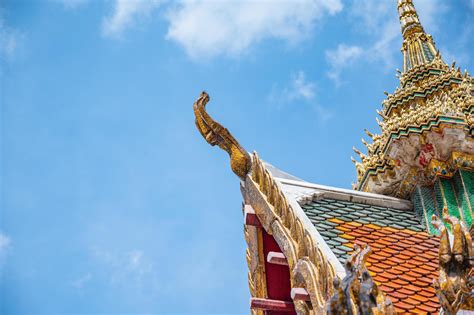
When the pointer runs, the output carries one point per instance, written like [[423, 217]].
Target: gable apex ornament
[[215, 134]]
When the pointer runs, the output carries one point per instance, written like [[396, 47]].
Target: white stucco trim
[[313, 232], [307, 192]]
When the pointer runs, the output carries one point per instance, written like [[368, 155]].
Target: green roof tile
[[341, 211], [332, 207], [345, 248], [321, 211], [328, 234], [327, 215], [365, 211], [398, 226], [338, 251], [341, 240], [332, 224], [332, 243], [362, 220], [325, 225]]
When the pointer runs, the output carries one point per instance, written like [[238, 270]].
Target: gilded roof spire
[[409, 20], [418, 47], [410, 150]]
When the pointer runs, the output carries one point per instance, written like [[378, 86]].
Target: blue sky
[[111, 202]]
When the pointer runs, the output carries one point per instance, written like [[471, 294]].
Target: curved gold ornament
[[357, 293], [214, 133], [456, 259]]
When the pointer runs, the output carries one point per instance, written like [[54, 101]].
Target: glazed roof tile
[[403, 261]]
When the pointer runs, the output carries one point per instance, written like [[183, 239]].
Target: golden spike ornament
[[214, 133], [454, 286], [371, 135], [357, 293]]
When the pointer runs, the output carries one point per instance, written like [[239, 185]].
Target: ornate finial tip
[[204, 96], [215, 134]]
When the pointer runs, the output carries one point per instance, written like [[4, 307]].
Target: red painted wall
[[277, 276]]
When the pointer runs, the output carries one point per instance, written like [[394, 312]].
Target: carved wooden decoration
[[454, 285], [214, 133], [357, 293]]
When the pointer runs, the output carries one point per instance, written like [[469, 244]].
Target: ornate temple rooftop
[[426, 123], [400, 242], [403, 254]]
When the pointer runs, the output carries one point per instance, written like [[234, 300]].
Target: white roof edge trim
[[320, 242], [342, 194]]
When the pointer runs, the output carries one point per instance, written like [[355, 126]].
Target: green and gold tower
[[425, 151]]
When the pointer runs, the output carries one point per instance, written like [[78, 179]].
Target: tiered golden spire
[[418, 47], [432, 96]]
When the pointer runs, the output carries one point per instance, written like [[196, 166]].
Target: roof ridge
[[329, 192]]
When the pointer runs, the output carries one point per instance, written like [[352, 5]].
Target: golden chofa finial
[[360, 154], [379, 122], [371, 135], [214, 133], [381, 114]]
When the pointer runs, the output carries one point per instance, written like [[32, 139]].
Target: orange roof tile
[[405, 275], [403, 306], [403, 262], [428, 309]]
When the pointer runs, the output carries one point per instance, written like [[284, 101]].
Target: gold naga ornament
[[356, 293], [214, 133]]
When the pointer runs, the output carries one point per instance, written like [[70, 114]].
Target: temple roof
[[403, 262], [333, 218], [370, 242]]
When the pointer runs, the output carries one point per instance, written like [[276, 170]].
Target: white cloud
[[376, 14], [72, 4], [457, 47], [80, 282], [340, 58], [386, 28], [379, 21], [210, 28], [303, 88], [125, 14], [5, 244], [126, 267], [299, 89], [462, 58], [9, 38]]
